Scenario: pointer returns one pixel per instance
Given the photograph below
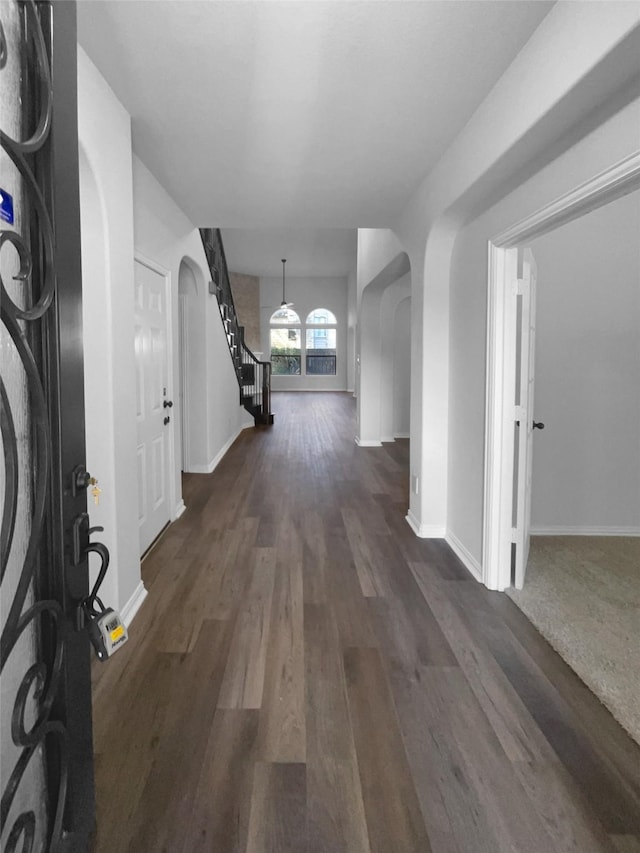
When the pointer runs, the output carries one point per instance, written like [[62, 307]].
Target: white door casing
[[151, 325], [526, 413]]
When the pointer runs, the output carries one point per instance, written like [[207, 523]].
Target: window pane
[[285, 315], [285, 352], [320, 315], [321, 352]]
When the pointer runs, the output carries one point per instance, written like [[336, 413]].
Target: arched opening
[[376, 350]]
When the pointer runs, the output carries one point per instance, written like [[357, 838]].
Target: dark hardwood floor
[[306, 675]]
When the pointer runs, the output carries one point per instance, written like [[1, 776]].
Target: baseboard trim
[[362, 443], [308, 388], [585, 531], [133, 605], [402, 435], [179, 510], [211, 467], [387, 438], [424, 531], [466, 558]]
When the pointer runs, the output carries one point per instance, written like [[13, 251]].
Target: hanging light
[[284, 304]]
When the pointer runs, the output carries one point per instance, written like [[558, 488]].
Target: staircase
[[254, 377]]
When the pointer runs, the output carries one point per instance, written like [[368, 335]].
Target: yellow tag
[[117, 633]]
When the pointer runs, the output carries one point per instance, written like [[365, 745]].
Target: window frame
[[303, 327]]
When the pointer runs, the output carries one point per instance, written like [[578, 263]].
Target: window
[[285, 341], [286, 337], [320, 343]]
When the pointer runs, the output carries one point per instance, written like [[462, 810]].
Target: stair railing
[[254, 376]]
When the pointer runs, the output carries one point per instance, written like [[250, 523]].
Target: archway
[[374, 358]]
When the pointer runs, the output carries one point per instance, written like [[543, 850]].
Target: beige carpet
[[583, 595]]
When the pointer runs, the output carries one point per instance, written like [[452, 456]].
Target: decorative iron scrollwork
[[31, 613]]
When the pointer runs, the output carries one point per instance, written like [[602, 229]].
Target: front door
[[45, 714], [154, 410]]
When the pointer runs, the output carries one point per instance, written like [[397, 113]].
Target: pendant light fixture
[[284, 304]]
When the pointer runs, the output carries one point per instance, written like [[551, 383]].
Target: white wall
[[613, 140], [307, 294], [586, 464], [164, 234], [402, 369], [106, 209]]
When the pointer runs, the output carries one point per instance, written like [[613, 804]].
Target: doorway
[[502, 411], [154, 403], [582, 588]]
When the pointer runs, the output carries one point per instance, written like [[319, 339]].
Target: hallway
[[307, 675]]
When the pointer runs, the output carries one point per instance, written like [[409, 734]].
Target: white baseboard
[[466, 558], [133, 605], [402, 435], [180, 508], [211, 467], [362, 443], [585, 531], [424, 531], [387, 438], [308, 388]]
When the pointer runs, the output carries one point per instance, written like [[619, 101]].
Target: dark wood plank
[[278, 822], [391, 805], [282, 722], [219, 817], [165, 804], [244, 675], [335, 810]]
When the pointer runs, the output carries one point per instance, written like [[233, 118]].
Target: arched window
[[321, 317], [320, 343], [285, 341]]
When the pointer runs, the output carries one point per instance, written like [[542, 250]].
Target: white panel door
[[525, 433], [153, 410]]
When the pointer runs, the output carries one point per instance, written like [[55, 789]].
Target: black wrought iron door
[[45, 715]]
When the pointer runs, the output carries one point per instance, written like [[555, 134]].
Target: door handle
[[167, 404], [538, 425]]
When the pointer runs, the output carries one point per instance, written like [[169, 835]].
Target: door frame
[[616, 181], [166, 275]]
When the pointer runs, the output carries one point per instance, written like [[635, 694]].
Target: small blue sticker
[[6, 207]]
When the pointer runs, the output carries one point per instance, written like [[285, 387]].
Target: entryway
[[509, 371], [582, 587]]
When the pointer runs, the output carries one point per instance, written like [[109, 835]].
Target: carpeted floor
[[583, 595]]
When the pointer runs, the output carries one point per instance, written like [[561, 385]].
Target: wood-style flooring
[[307, 676]]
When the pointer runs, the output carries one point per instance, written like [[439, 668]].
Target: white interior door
[[527, 341], [153, 411]]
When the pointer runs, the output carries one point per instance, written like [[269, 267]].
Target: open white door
[[154, 408], [527, 340]]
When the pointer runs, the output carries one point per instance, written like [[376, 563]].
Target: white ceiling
[[308, 251], [291, 114]]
